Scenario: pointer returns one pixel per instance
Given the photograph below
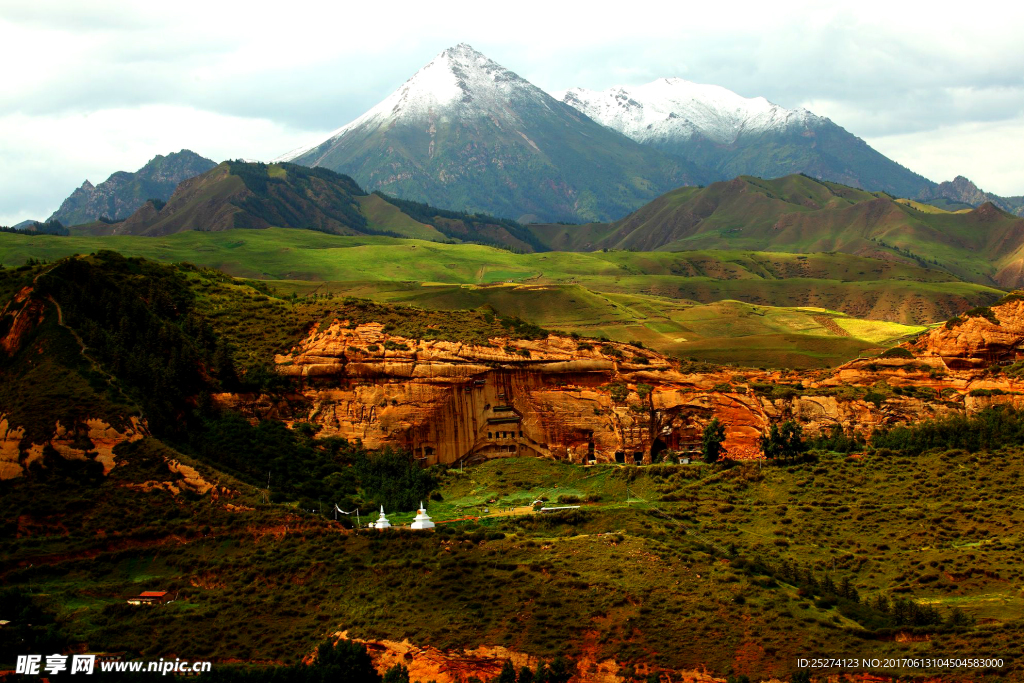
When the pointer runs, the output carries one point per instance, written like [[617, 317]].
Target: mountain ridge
[[466, 133], [124, 192], [733, 135], [800, 214], [961, 190], [253, 195]]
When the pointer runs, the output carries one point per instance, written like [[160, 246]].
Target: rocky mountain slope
[[732, 135], [123, 192], [800, 214], [448, 386], [468, 134], [961, 191], [250, 195]]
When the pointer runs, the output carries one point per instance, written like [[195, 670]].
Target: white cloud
[[47, 157], [987, 153], [90, 88]]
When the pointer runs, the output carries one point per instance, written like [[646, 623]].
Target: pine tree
[[714, 435], [508, 673]]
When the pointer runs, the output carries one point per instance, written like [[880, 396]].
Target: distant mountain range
[[801, 214], [730, 135], [961, 193], [795, 214], [123, 192], [469, 135], [466, 133], [253, 195]]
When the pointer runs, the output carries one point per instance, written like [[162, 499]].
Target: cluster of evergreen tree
[[303, 468], [988, 429], [31, 628], [783, 442], [876, 614], [905, 613], [712, 440], [53, 227], [837, 440], [138, 320], [560, 670]]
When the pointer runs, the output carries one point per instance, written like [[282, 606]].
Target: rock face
[[93, 440], [559, 398], [123, 193], [448, 402], [962, 190], [967, 361], [485, 662]]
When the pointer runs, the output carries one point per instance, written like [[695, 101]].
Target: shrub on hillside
[[988, 429]]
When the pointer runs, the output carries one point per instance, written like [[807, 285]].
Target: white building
[[382, 521], [422, 520]]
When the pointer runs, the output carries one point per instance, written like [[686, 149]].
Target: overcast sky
[[92, 88]]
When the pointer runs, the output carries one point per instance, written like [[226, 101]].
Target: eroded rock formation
[[610, 402], [92, 440]]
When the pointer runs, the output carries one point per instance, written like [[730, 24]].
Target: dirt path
[[83, 349]]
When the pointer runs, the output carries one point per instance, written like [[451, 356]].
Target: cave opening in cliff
[[657, 448], [620, 457], [638, 457]]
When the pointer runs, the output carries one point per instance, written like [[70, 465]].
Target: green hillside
[[864, 287], [801, 215], [679, 567], [668, 300]]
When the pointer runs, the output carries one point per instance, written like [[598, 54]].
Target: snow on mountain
[[673, 109], [468, 134], [457, 82]]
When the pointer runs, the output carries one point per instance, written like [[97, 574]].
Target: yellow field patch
[[877, 331]]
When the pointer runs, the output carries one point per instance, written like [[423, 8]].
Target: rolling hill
[[468, 134], [248, 195], [760, 308], [802, 215]]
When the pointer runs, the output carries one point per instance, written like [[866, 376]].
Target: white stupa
[[382, 521], [422, 520]]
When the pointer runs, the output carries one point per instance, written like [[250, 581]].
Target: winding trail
[[83, 349]]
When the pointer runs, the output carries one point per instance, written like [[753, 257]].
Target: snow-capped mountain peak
[[457, 82], [677, 109]]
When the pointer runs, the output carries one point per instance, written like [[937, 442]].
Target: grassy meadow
[[662, 565], [753, 308]]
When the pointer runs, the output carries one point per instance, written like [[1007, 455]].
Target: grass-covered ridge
[[799, 214], [623, 295]]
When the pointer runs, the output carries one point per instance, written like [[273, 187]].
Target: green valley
[[676, 302]]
